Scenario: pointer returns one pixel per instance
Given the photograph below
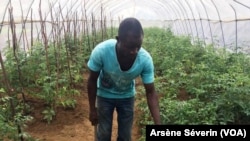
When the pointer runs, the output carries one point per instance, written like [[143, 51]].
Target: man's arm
[[92, 89], [153, 102]]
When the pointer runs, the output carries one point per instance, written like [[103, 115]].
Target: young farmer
[[114, 64]]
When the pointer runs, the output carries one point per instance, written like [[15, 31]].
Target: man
[[114, 65]]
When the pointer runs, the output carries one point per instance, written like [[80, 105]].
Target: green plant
[[12, 126], [69, 103], [49, 114], [197, 84]]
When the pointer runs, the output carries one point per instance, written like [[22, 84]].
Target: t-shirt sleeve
[[147, 74], [95, 60]]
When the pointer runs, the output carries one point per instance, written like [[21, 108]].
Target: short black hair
[[129, 25]]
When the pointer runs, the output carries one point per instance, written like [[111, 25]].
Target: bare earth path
[[69, 125]]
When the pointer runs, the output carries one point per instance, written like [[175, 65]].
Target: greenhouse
[[199, 50]]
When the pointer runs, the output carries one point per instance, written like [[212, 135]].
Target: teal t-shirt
[[112, 81]]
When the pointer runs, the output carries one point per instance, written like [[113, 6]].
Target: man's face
[[131, 45]]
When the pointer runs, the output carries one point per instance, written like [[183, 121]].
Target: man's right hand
[[93, 118]]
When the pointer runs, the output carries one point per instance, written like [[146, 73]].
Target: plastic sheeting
[[141, 9], [225, 23]]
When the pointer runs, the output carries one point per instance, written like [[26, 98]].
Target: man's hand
[[92, 88], [93, 117], [153, 102]]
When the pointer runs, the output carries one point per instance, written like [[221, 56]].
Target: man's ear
[[117, 38]]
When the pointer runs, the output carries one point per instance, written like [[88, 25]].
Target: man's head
[[130, 36]]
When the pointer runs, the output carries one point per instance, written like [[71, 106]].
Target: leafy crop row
[[197, 84]]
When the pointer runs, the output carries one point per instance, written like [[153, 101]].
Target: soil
[[69, 124]]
